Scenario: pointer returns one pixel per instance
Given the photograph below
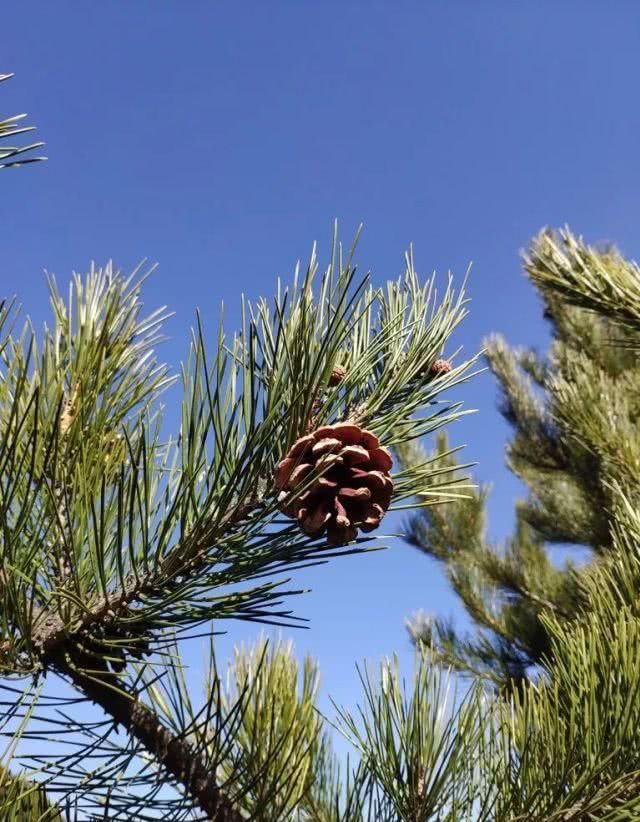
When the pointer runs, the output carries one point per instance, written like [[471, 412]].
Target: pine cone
[[440, 367], [354, 490], [337, 375]]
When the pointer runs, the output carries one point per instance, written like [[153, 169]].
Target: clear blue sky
[[222, 139]]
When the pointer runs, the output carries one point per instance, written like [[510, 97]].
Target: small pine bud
[[440, 367], [69, 410], [337, 375]]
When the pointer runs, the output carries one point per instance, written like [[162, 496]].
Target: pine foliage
[[560, 748], [121, 539], [22, 801], [12, 156], [574, 418]]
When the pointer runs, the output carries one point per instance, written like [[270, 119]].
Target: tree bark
[[55, 641], [175, 755]]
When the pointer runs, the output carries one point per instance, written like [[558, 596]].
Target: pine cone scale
[[355, 454], [326, 446], [301, 445], [381, 459], [298, 474]]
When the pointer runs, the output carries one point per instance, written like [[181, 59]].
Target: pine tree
[[120, 540], [101, 582], [574, 415]]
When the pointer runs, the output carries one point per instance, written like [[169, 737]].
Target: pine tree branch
[[157, 533], [13, 156], [51, 632], [173, 753], [600, 281]]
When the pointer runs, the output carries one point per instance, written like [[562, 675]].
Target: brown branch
[[57, 643], [172, 752], [50, 631]]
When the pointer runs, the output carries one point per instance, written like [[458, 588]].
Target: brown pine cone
[[337, 375], [354, 490], [440, 367]]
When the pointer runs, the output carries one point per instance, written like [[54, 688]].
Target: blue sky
[[222, 139]]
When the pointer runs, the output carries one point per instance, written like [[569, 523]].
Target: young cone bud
[[337, 375], [440, 367]]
